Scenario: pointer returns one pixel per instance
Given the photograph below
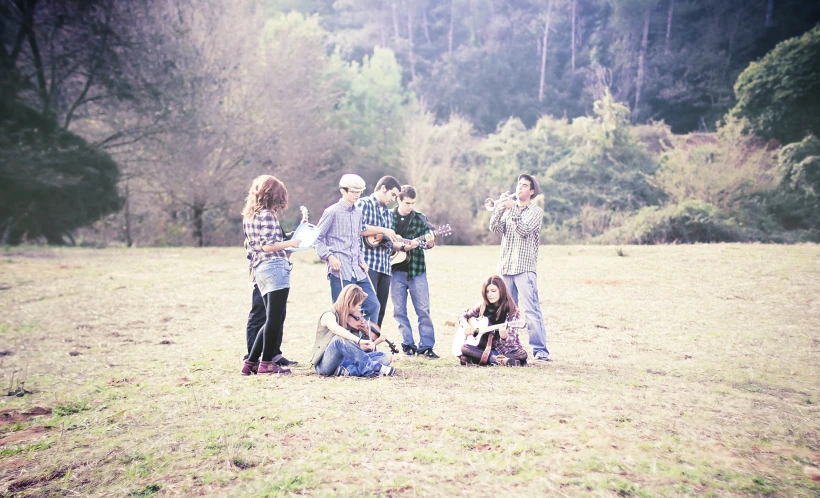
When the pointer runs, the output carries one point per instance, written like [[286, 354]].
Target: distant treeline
[[645, 121]]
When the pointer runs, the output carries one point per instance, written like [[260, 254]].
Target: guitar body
[[400, 257], [484, 327]]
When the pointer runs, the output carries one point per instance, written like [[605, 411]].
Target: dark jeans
[[268, 341], [256, 318], [381, 282]]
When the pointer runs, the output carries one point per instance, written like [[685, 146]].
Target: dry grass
[[682, 370]]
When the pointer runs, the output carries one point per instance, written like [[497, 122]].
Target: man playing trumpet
[[519, 223]]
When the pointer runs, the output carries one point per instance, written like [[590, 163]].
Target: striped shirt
[[340, 229], [520, 231], [262, 230], [374, 214]]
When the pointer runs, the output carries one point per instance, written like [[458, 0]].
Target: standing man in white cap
[[338, 244], [519, 223]]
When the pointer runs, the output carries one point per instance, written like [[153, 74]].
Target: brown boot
[[269, 367], [250, 367]]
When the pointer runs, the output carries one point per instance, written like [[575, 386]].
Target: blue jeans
[[370, 306], [344, 353], [272, 275], [400, 285], [525, 285]]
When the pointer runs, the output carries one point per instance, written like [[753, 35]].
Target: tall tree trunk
[[574, 2], [669, 26], [127, 215], [424, 18], [544, 51], [769, 12], [198, 212], [395, 23], [452, 20], [641, 61], [410, 39], [380, 17]]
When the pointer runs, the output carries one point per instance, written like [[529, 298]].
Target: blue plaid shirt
[[374, 214], [340, 230]]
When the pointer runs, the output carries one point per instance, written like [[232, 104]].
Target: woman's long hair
[[266, 192], [351, 296], [506, 304]]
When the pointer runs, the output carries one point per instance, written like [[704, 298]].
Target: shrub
[[687, 222]]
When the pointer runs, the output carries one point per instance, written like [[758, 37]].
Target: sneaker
[[428, 353], [341, 372], [387, 371], [542, 355], [408, 349], [284, 362], [269, 367], [250, 367]]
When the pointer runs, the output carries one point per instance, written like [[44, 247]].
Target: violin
[[357, 323]]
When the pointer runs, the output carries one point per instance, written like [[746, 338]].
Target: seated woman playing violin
[[498, 314], [345, 344]]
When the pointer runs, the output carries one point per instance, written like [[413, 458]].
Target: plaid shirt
[[520, 231], [417, 228], [262, 230], [503, 346], [374, 214], [340, 229]]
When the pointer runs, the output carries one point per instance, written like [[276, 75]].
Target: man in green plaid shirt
[[410, 276]]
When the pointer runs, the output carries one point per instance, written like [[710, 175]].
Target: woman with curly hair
[[265, 243], [498, 307]]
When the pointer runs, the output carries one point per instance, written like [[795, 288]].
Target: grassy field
[[679, 370]]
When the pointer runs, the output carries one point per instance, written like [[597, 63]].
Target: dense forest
[[646, 121]]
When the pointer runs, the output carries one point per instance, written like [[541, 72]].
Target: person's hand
[[413, 244], [390, 234], [295, 242], [508, 203], [364, 266], [366, 345], [334, 263]]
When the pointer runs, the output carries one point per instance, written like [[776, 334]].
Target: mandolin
[[373, 241], [357, 323]]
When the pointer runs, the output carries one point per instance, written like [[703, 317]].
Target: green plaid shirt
[[416, 228]]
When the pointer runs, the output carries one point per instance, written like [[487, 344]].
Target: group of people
[[355, 238]]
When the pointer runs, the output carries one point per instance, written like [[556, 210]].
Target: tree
[[372, 111], [51, 181], [780, 94]]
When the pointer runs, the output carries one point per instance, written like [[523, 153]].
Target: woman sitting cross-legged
[[496, 308], [338, 351]]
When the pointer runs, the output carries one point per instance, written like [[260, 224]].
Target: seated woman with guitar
[[488, 332], [346, 342]]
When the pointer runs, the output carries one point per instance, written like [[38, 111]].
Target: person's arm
[[329, 320], [497, 222], [322, 227], [529, 222], [468, 320]]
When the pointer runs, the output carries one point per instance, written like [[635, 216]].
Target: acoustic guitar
[[399, 257], [484, 327]]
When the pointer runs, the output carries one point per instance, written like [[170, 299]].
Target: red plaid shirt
[[262, 230]]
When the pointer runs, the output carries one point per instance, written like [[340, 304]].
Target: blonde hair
[[266, 192], [352, 295]]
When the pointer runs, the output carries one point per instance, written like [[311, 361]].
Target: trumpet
[[491, 204]]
